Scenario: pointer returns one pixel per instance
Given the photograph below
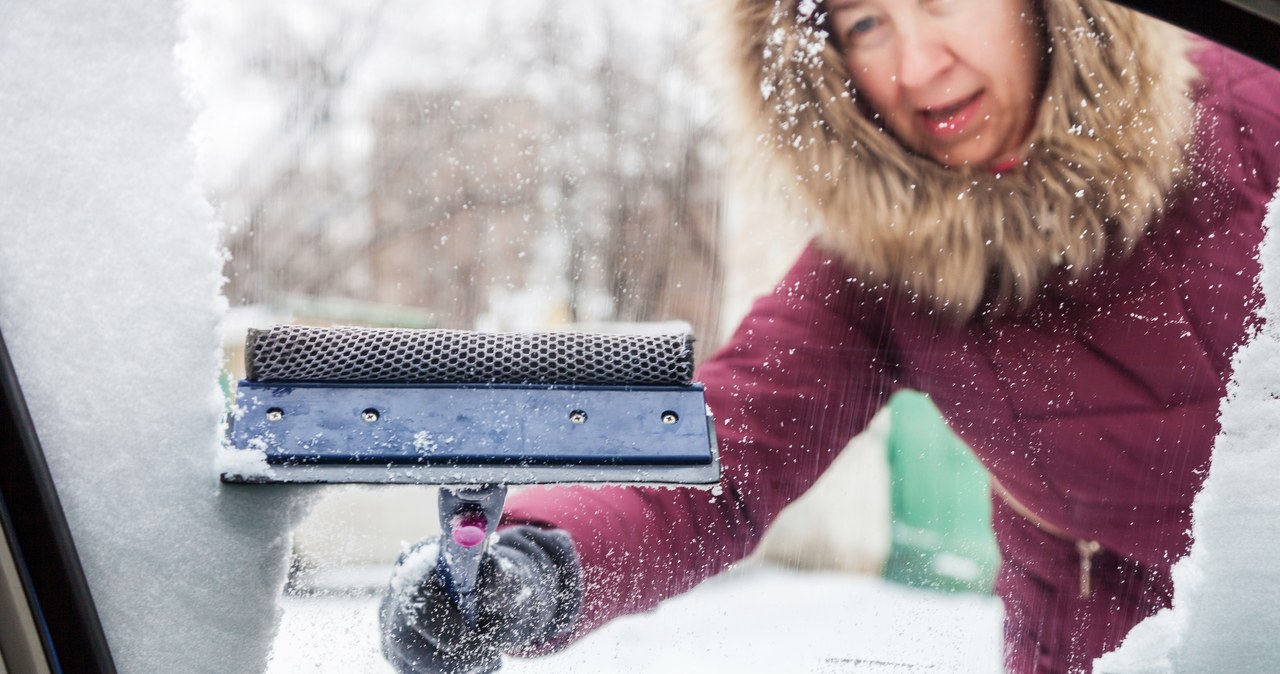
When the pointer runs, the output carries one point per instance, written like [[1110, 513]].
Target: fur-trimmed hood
[[1108, 147]]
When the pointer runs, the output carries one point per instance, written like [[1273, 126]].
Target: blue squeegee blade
[[584, 430]]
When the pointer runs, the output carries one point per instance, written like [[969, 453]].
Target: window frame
[[1251, 27], [57, 625]]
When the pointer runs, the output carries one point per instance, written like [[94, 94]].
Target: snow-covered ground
[[753, 619]]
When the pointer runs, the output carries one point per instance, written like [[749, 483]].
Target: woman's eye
[[862, 29], [863, 26]]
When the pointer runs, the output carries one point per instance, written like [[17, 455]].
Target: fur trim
[[1108, 148]]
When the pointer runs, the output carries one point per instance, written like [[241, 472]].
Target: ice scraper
[[472, 412]]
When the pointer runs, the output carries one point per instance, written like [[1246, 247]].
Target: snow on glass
[[109, 276]]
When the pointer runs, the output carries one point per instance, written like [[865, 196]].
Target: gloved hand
[[528, 593]]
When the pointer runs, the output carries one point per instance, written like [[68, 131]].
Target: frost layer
[[109, 304]]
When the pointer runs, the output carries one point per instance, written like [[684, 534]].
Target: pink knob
[[469, 531]]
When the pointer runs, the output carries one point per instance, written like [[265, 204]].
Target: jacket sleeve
[[801, 376]]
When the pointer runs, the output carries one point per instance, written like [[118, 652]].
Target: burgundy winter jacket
[[1096, 409]]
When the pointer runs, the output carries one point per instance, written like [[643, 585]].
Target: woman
[[1042, 213]]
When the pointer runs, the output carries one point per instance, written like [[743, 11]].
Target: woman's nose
[[925, 55]]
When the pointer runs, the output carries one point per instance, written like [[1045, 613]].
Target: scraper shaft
[[468, 519]]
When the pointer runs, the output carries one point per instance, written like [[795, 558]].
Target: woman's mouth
[[950, 119]]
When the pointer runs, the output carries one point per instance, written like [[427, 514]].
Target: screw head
[[670, 417], [275, 414], [578, 417], [370, 415]]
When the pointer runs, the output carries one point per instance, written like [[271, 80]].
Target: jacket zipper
[[1085, 548]]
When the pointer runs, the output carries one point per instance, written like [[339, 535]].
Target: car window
[[500, 167]]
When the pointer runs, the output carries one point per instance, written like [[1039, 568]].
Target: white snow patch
[[423, 442], [415, 566], [753, 619], [243, 463], [110, 271]]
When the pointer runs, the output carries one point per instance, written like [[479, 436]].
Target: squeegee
[[472, 412]]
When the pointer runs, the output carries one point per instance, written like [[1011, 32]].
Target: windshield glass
[[974, 288]]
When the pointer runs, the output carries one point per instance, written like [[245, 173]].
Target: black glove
[[528, 593]]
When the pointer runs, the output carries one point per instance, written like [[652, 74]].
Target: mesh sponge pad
[[395, 355]]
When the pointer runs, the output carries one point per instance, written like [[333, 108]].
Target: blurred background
[[496, 165]]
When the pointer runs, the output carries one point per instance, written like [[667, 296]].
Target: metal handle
[[468, 518]]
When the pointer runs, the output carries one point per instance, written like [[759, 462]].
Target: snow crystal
[[242, 463], [766, 89], [413, 568], [423, 442]]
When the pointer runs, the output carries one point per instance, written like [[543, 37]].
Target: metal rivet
[[670, 417], [275, 414], [578, 417], [370, 415]]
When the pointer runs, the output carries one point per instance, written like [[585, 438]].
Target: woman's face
[[954, 80]]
